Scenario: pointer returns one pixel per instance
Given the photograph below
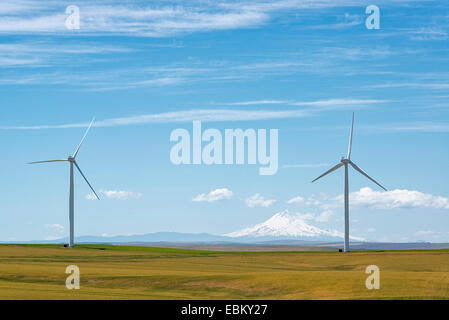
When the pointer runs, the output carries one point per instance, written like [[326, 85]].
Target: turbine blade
[[48, 161], [84, 137], [329, 171], [76, 164], [366, 175], [350, 138]]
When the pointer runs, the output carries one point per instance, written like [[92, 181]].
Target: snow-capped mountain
[[288, 225], [283, 226]]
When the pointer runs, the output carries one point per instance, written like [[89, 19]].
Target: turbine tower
[[346, 162], [72, 161]]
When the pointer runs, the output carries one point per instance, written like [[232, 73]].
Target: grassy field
[[117, 272]]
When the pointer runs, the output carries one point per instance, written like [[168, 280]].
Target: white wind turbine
[[72, 161], [345, 162]]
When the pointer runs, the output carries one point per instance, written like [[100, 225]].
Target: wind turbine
[[346, 162], [72, 161]]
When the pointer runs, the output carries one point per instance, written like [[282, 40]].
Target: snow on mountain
[[286, 224]]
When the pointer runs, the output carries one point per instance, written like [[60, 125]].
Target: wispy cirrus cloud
[[160, 19], [15, 61], [415, 85], [47, 53], [211, 115], [347, 21], [417, 126], [155, 19], [429, 34], [224, 115], [54, 47], [339, 102]]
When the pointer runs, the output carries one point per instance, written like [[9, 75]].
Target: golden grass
[[38, 272]]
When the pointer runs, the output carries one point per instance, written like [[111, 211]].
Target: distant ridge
[[282, 229], [281, 226]]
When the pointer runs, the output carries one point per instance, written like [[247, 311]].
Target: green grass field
[[118, 272]]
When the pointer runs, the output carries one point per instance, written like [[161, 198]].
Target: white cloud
[[322, 201], [324, 216], [395, 199], [306, 216], [296, 200], [91, 196], [57, 227], [383, 200], [214, 195], [259, 201], [116, 195]]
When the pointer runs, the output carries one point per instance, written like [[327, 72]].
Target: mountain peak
[[287, 224], [283, 214]]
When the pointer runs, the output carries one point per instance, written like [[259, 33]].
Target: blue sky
[[298, 66]]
